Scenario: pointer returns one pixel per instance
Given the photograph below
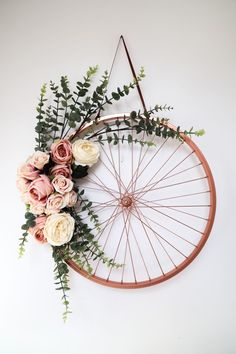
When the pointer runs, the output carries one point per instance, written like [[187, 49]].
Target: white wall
[[188, 50]]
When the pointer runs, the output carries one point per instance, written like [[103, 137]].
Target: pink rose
[[39, 190], [55, 203], [28, 171], [61, 151], [70, 199], [37, 230], [62, 170], [62, 184], [22, 184]]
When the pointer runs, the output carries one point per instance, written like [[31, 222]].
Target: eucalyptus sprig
[[74, 109], [61, 272], [141, 122], [42, 127], [29, 222]]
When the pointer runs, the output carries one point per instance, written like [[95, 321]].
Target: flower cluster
[[46, 184]]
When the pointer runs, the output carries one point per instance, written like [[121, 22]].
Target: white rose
[[59, 229], [85, 152], [70, 199], [39, 159]]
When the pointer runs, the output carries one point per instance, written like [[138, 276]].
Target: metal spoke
[[137, 173], [145, 203], [158, 235], [174, 219], [169, 158], [171, 185], [149, 241]]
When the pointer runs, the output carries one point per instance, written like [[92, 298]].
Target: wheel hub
[[126, 201]]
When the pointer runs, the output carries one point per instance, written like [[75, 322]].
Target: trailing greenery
[[82, 249], [61, 272], [86, 205], [29, 222]]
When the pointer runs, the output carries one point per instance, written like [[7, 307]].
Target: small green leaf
[[116, 96], [133, 115], [79, 172], [126, 89], [24, 227]]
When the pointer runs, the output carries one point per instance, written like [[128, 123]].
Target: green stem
[[57, 114], [62, 286], [101, 132], [65, 119], [23, 240]]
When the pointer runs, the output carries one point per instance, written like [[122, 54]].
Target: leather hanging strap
[[133, 72], [122, 40]]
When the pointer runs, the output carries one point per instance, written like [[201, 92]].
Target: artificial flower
[[59, 228], [85, 152]]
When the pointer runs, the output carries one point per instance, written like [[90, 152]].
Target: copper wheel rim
[[126, 202]]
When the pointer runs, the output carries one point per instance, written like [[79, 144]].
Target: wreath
[[49, 180]]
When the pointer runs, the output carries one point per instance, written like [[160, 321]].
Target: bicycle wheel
[[156, 203]]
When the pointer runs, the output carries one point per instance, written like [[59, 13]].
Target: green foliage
[[79, 171], [119, 93], [81, 249], [61, 276], [141, 122], [23, 240], [81, 112], [114, 139], [86, 206], [200, 132], [84, 247], [74, 109], [41, 126], [29, 222]]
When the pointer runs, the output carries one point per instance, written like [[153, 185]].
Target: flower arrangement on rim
[[48, 180], [46, 186]]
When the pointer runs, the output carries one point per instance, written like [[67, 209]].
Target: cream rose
[[39, 159], [62, 184], [85, 152], [59, 229]]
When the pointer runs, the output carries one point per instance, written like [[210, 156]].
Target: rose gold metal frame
[[205, 234]]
